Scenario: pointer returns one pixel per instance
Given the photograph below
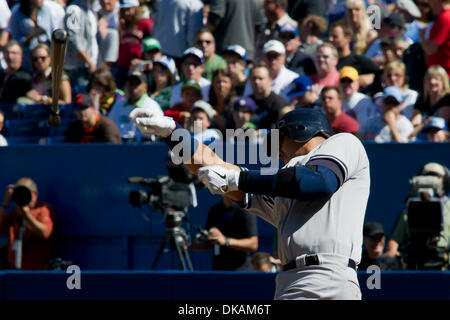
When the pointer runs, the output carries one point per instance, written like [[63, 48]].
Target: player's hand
[[218, 179], [149, 124]]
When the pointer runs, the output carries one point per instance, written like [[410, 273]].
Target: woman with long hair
[[103, 90], [41, 85], [356, 17], [435, 100], [221, 97], [163, 79]]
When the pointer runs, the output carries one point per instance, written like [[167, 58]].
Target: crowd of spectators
[[378, 69]]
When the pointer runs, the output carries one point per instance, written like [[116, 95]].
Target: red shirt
[[440, 34], [345, 123], [175, 111], [130, 45], [36, 249]]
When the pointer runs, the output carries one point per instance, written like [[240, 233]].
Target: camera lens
[[21, 195]]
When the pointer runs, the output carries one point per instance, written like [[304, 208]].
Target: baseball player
[[317, 201]]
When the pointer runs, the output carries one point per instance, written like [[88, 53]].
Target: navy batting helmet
[[304, 123]]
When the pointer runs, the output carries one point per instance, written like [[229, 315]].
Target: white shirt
[[3, 142], [205, 84], [376, 129]]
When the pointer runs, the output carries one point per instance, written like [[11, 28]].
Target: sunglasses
[[287, 36], [346, 80], [188, 64], [272, 56]]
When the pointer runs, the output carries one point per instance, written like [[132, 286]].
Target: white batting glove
[[219, 180], [149, 123]]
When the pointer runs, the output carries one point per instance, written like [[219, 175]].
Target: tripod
[[176, 237]]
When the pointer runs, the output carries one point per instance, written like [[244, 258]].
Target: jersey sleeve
[[343, 153], [263, 206]]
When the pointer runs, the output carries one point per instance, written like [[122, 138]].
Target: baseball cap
[[205, 107], [409, 6], [288, 27], [274, 45], [395, 92], [245, 102], [433, 167], [300, 86], [168, 63], [194, 52], [138, 74], [129, 3], [437, 123], [349, 72], [192, 84], [237, 49], [150, 44], [395, 19], [372, 228], [83, 101]]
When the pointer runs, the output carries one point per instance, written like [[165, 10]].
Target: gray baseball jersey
[[331, 228]]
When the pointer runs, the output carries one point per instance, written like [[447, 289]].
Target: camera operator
[[29, 225], [232, 234], [401, 236]]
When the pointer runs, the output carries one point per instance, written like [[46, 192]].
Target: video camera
[[22, 195], [425, 222]]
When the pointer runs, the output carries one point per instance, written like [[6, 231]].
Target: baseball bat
[[58, 52]]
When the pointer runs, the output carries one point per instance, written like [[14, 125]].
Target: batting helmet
[[304, 123]]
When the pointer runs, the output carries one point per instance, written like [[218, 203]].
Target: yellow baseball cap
[[349, 72]]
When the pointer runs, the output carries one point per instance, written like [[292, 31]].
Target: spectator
[[41, 91], [31, 221], [302, 94], [243, 110], [3, 142], [311, 30], [341, 36], [90, 126], [192, 66], [326, 61], [236, 22], [176, 24], [221, 97], [136, 88], [276, 15], [355, 104], [201, 116], [421, 22], [133, 30], [332, 106], [5, 15], [204, 40], [232, 234], [151, 52], [401, 236], [391, 125], [82, 47], [32, 22], [395, 75], [275, 58], [435, 100], [437, 45], [269, 103], [296, 60], [15, 81], [108, 33], [103, 90], [236, 59], [190, 93], [433, 129], [356, 17], [163, 80], [262, 261]]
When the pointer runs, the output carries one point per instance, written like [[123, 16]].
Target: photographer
[[29, 225], [232, 235], [401, 236]]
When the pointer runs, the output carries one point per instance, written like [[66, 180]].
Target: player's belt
[[311, 260]]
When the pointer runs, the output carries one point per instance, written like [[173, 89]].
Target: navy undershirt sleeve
[[304, 183], [188, 141]]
